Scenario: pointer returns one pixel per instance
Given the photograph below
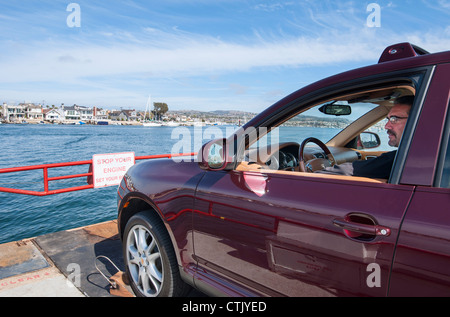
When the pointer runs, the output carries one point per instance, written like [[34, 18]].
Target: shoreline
[[110, 122]]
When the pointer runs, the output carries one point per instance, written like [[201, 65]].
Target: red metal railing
[[47, 179]]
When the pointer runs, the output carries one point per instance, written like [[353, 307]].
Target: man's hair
[[405, 100]]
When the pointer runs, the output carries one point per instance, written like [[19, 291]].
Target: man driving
[[381, 166]]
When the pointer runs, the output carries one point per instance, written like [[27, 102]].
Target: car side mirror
[[214, 155], [368, 140]]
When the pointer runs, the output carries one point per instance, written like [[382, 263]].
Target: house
[[70, 113], [124, 115], [131, 115], [100, 114], [77, 113], [141, 115], [54, 115], [86, 114], [115, 115], [33, 111], [13, 113]]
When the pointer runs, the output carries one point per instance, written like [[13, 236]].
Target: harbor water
[[23, 145]]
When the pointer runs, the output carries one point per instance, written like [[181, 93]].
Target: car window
[[367, 113], [445, 182], [445, 163], [351, 126]]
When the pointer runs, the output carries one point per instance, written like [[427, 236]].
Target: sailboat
[[147, 123]]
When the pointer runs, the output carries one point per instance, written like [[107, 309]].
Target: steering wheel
[[318, 163]]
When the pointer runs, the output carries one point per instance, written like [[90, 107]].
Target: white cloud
[[188, 59]]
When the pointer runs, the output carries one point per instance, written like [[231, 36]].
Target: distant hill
[[243, 116]]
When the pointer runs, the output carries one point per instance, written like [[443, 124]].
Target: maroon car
[[280, 208]]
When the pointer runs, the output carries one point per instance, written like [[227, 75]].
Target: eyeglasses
[[394, 119]]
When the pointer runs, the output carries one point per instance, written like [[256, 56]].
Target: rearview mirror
[[336, 109]]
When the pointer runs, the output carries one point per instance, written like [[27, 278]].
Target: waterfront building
[[4, 111], [100, 114], [54, 115], [131, 115], [36, 113], [13, 113], [32, 111], [86, 114], [77, 113], [124, 115]]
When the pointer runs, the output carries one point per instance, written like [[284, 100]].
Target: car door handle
[[361, 228]]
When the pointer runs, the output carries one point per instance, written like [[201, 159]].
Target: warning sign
[[108, 169]]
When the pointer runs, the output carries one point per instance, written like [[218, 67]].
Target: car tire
[[150, 260]]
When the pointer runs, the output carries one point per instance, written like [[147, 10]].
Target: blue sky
[[197, 54]]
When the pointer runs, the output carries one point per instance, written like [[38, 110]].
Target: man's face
[[395, 130]]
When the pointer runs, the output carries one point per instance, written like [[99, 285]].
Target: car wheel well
[[134, 206]]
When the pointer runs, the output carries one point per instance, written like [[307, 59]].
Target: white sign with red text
[[109, 169]]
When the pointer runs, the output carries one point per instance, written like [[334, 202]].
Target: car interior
[[344, 129]]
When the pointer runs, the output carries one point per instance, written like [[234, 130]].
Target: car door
[[276, 235], [422, 257], [296, 234]]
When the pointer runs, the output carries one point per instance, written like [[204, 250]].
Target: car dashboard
[[284, 156]]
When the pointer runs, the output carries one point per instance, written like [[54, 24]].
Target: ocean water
[[23, 145]]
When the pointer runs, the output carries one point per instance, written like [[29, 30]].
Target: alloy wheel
[[144, 261]]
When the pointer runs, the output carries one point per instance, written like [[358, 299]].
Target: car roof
[[409, 60]]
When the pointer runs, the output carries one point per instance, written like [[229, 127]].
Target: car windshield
[[322, 126]]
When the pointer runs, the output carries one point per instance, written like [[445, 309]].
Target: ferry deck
[[71, 263]]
